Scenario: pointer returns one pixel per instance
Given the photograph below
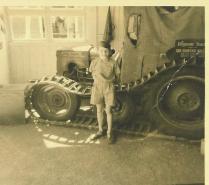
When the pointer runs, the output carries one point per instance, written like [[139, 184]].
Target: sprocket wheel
[[176, 103]]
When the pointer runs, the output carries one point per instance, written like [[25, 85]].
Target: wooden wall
[[34, 59]]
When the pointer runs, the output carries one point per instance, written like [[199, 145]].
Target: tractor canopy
[[151, 32]]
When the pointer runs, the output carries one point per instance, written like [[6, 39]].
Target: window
[[69, 27], [37, 29], [55, 22], [18, 27], [27, 27]]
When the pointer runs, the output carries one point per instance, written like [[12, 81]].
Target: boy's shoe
[[98, 135], [110, 139]]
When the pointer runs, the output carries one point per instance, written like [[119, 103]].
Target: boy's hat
[[104, 44]]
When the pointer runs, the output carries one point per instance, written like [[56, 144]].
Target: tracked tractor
[[161, 80]]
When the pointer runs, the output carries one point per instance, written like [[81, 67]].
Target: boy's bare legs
[[109, 119], [100, 120], [110, 136], [100, 116]]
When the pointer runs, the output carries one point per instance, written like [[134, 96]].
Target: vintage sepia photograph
[[102, 95]]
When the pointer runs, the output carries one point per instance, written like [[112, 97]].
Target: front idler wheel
[[54, 103]]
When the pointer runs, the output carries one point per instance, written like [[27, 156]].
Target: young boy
[[104, 72]]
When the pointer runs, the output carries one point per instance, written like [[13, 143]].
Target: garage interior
[[43, 153]]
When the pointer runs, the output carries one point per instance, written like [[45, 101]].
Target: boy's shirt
[[106, 71]]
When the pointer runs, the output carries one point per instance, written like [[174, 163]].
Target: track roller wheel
[[124, 109]]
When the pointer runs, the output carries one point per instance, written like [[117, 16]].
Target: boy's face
[[104, 53]]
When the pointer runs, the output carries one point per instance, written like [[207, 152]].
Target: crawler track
[[87, 119]]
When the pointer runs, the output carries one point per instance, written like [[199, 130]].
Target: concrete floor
[[48, 155]]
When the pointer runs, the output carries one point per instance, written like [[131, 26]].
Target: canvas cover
[[157, 32]]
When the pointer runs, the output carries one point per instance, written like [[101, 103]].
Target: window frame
[[68, 38], [47, 12], [27, 19]]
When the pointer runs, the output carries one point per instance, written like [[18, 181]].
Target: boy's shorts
[[103, 93]]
